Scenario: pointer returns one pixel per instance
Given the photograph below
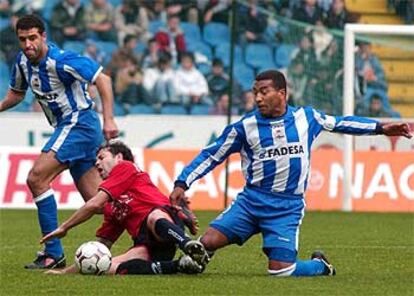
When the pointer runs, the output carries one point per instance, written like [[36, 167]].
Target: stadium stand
[[191, 31], [200, 109], [283, 55], [259, 55], [211, 40], [173, 109], [76, 46], [398, 63], [216, 33], [222, 52], [141, 109]]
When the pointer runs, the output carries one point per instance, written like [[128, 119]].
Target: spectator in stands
[[308, 12], [305, 54], [128, 86], [159, 81], [375, 108], [99, 17], [217, 80], [252, 23], [221, 106], [190, 84], [9, 44], [321, 38], [297, 82], [171, 39], [216, 11], [5, 8], [404, 8], [150, 56], [338, 15], [126, 52], [93, 52], [131, 18], [320, 90], [248, 102], [156, 10], [68, 22], [27, 7], [369, 69], [186, 10]]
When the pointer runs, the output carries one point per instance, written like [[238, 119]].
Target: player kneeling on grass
[[131, 202], [274, 142]]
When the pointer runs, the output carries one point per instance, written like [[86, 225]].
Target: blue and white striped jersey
[[59, 82], [275, 152]]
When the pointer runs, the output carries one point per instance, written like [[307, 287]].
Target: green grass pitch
[[373, 254]]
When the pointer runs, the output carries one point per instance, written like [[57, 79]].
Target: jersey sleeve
[[227, 143], [122, 176], [79, 67], [109, 230], [17, 80], [353, 125]]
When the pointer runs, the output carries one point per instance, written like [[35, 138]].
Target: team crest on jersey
[[278, 129], [36, 82]]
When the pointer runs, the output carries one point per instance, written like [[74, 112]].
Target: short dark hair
[[279, 81], [187, 54], [30, 21], [164, 57], [115, 147], [217, 62], [129, 37]]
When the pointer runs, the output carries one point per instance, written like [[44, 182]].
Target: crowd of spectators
[[154, 61]]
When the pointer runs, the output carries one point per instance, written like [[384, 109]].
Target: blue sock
[[309, 268], [47, 215]]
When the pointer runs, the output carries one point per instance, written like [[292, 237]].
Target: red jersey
[[132, 197]]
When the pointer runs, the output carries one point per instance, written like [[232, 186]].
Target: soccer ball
[[93, 258]]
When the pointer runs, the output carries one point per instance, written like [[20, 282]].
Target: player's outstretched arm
[[69, 269], [93, 206], [104, 86], [11, 99], [396, 129]]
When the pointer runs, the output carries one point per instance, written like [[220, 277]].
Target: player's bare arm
[[396, 129], [12, 99], [104, 86], [93, 206]]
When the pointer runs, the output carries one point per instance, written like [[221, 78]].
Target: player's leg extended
[[88, 183], [44, 171], [137, 260], [168, 227], [163, 227]]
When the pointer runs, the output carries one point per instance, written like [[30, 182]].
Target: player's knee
[[282, 270], [34, 179], [212, 239], [155, 215]]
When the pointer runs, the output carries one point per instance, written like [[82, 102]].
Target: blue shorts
[[76, 144], [277, 217]]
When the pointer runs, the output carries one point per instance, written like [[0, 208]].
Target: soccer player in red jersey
[[131, 202]]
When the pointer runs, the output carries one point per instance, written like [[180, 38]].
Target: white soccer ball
[[93, 258]]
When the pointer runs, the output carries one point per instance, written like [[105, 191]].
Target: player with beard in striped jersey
[[274, 142], [59, 81]]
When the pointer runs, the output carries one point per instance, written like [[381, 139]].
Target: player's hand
[[58, 232], [110, 129], [176, 195], [397, 129]]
